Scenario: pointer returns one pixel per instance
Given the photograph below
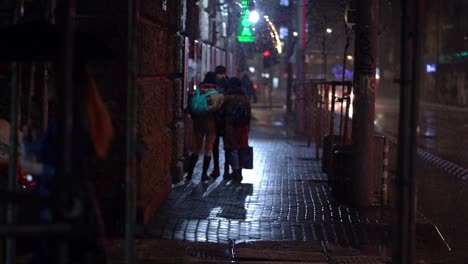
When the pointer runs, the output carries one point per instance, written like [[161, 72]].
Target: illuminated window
[[283, 32], [284, 2], [431, 68]]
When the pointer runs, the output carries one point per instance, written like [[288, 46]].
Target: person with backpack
[[237, 111], [205, 102], [221, 84]]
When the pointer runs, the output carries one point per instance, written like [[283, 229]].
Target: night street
[[233, 131]]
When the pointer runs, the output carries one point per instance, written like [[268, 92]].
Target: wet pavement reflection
[[442, 130], [285, 197]]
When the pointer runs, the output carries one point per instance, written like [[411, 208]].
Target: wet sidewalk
[[285, 198]]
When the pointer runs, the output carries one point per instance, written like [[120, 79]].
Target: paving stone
[[284, 198]]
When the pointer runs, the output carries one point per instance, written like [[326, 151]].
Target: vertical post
[[45, 97], [64, 66], [32, 92], [332, 113], [10, 250], [362, 137], [324, 55], [131, 135], [289, 85], [414, 110], [405, 235], [289, 69], [349, 89], [300, 47], [344, 90]]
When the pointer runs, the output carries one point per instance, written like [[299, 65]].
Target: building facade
[[176, 43]]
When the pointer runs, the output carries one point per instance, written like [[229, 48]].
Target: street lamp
[[324, 50], [254, 16]]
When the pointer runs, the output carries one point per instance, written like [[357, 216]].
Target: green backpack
[[199, 103]]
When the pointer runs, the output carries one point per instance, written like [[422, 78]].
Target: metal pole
[[45, 97], [303, 15], [344, 88], [64, 66], [10, 245], [414, 103], [404, 243], [300, 47], [289, 85], [400, 242], [12, 161], [130, 141], [324, 51], [349, 89], [32, 92], [362, 138], [289, 69], [65, 85]]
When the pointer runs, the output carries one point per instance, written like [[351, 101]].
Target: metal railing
[[319, 111]]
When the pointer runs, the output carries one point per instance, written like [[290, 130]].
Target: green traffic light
[[246, 22]]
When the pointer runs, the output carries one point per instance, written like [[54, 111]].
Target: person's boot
[[206, 164], [215, 172], [192, 162], [226, 174], [236, 175]]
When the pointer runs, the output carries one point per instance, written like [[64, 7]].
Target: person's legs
[[234, 161], [197, 145], [192, 163], [209, 142], [226, 163], [215, 173]]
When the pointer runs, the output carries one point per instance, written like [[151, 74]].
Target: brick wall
[[158, 97]]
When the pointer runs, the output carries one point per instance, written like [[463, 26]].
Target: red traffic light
[[255, 86], [266, 53]]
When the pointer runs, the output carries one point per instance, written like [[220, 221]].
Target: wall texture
[[157, 59]]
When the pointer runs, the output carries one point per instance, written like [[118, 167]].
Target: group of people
[[221, 120]]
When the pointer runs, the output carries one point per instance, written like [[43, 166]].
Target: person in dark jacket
[[236, 136], [221, 86]]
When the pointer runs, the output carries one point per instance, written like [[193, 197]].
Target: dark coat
[[235, 137]]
